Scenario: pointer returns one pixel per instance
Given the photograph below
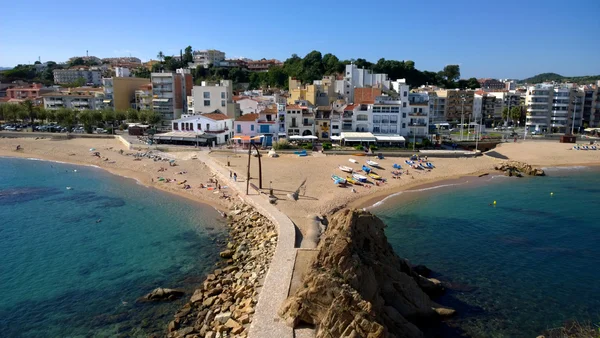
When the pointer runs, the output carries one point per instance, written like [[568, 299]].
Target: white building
[[554, 108], [355, 77], [207, 57], [78, 98], [66, 76], [167, 97], [210, 97], [217, 124], [299, 120], [122, 72]]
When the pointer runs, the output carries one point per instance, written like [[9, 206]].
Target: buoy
[[551, 194], [494, 202]]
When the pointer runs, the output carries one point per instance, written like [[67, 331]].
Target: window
[[175, 126], [393, 129], [347, 73], [199, 126], [348, 93], [403, 104], [239, 128], [207, 127], [420, 110], [376, 119], [222, 103], [376, 129], [207, 95], [403, 115], [393, 119], [251, 127], [335, 127], [347, 86], [403, 125], [222, 95], [206, 103]]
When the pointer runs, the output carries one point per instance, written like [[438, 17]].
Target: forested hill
[[550, 77]]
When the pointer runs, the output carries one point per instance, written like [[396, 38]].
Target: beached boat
[[397, 166], [409, 162], [374, 176], [353, 160], [338, 180], [430, 165], [415, 166], [359, 178], [422, 166], [300, 152], [353, 181], [346, 169], [366, 169], [372, 163]]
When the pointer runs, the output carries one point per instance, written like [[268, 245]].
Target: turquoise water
[[73, 262], [527, 264]]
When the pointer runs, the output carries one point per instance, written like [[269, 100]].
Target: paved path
[[266, 322]]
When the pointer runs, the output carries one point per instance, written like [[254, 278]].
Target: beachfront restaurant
[[185, 138], [367, 139]]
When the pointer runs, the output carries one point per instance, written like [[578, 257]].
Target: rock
[[210, 334], [244, 319], [213, 291], [185, 331], [197, 296], [183, 312], [422, 270], [237, 330], [162, 294], [209, 301], [173, 325], [227, 253], [358, 286], [223, 317], [232, 323], [445, 312], [515, 168]]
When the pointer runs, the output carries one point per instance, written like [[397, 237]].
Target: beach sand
[[319, 196]]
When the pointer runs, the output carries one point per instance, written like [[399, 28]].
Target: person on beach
[[235, 177]]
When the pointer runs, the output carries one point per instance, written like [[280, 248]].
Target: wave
[[575, 167], [379, 203]]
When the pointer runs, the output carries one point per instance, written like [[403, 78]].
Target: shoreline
[[138, 177]]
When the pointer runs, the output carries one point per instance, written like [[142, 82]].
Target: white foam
[[575, 167], [379, 203]]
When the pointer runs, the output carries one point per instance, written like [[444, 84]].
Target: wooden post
[[248, 172]]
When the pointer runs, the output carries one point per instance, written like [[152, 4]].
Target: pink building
[[30, 92]]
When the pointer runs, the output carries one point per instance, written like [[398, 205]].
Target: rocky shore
[[224, 304], [518, 169], [358, 287]]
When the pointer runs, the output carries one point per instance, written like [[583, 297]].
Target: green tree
[[451, 73], [10, 111], [362, 63], [42, 114], [160, 56], [332, 64], [120, 116], [29, 110], [142, 72], [66, 117], [188, 56], [50, 116], [133, 115], [473, 83], [293, 66], [153, 118], [276, 77], [86, 118], [76, 62], [312, 67]]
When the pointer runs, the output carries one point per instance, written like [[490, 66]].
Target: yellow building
[[298, 92], [124, 91]]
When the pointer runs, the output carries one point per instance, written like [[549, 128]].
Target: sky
[[498, 39]]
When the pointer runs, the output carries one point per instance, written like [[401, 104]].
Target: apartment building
[[66, 76], [207, 57], [167, 97], [491, 84], [27, 92], [458, 104], [554, 108], [263, 124], [299, 120], [355, 77], [122, 72], [504, 99], [262, 65], [215, 124], [591, 105], [210, 97], [437, 107], [143, 97], [76, 98], [120, 92], [116, 61], [299, 92]]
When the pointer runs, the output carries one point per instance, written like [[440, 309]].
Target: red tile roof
[[366, 95], [294, 106], [216, 116], [350, 107], [247, 118]]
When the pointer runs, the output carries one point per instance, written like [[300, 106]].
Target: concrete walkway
[[266, 322]]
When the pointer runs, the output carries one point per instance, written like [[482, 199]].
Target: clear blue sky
[[502, 39]]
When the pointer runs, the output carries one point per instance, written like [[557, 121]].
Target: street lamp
[[462, 117], [574, 110]]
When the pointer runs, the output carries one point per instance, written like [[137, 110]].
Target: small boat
[[575, 147], [300, 152], [429, 165], [593, 147], [302, 155], [353, 160], [353, 181], [359, 178], [380, 156], [414, 166], [366, 169], [585, 147], [397, 166], [346, 169], [374, 176], [422, 166], [338, 180], [372, 163], [69, 188]]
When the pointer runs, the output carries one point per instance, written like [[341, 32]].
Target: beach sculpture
[[294, 196], [259, 167]]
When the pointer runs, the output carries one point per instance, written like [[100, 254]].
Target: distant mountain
[[5, 68], [550, 77]]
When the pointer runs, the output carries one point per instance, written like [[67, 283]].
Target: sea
[[74, 261], [519, 255]]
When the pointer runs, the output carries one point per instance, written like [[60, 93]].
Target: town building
[[143, 97], [26, 92], [437, 107], [120, 92], [262, 65], [491, 84], [215, 124], [458, 104], [299, 120], [264, 125], [591, 105], [169, 94], [554, 108], [210, 97], [87, 58], [67, 76], [207, 57], [323, 118], [118, 61], [122, 72], [355, 77], [504, 99], [75, 98], [299, 92]]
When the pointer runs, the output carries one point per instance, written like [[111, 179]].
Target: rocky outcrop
[[518, 169], [224, 304], [358, 286], [162, 294]]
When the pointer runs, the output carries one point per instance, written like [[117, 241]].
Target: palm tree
[[161, 56], [29, 109]]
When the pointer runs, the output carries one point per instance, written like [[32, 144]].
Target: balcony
[[417, 124], [417, 114]]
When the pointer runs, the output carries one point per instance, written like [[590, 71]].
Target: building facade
[[210, 97], [217, 124], [207, 57], [76, 98], [143, 97], [66, 76], [167, 97], [554, 108], [262, 65], [355, 77]]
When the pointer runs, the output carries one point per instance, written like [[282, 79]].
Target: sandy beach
[[286, 173]]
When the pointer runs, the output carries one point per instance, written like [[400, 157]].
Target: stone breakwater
[[515, 168], [223, 305]]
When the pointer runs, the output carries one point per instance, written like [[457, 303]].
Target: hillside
[[549, 77]]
